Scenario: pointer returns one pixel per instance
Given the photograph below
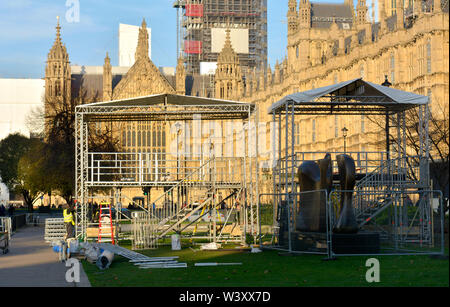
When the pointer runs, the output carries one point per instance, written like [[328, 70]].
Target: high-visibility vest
[[68, 218]]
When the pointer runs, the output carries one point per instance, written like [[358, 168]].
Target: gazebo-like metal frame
[[162, 108], [350, 98]]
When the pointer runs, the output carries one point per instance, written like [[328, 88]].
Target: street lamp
[[388, 141], [386, 82], [344, 134]]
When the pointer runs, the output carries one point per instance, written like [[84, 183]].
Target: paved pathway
[[31, 262]]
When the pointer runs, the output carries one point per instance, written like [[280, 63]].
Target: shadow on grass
[[269, 269]]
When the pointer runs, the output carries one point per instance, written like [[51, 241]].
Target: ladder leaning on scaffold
[[105, 227]]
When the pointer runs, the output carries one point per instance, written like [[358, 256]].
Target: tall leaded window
[[313, 130], [297, 133], [428, 57]]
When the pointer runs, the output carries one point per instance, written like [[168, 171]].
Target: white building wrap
[[128, 40], [18, 97], [239, 40]]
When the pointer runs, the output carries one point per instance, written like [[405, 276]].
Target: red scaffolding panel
[[193, 47], [194, 10]]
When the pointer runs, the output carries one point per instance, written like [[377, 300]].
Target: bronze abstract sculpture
[[313, 177], [326, 183], [311, 212], [346, 222], [308, 211]]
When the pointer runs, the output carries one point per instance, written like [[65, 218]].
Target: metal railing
[[391, 175], [405, 220], [365, 162], [406, 224], [6, 226], [131, 169]]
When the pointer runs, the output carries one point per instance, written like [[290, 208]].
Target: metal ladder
[[105, 228]]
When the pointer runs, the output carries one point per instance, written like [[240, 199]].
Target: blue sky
[[27, 31]]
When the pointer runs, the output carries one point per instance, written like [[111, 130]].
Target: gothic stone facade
[[327, 43], [330, 43]]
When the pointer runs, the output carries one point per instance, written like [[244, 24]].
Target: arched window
[[154, 137], [297, 52], [297, 133]]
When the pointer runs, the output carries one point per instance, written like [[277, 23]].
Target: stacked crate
[[54, 230]]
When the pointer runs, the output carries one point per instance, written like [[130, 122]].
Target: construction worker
[[69, 221]]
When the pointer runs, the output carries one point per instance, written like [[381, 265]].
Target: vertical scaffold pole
[[286, 184]]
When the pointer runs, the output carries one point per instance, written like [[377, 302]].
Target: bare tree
[[59, 136], [438, 122]]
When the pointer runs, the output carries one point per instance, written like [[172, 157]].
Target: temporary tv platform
[[392, 196], [213, 180]]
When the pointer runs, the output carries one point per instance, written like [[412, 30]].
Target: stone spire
[[142, 47], [181, 77], [107, 79], [262, 78], [305, 13], [254, 80], [228, 78], [292, 17], [361, 12], [277, 75], [57, 78], [382, 15], [400, 14], [57, 72], [373, 11], [269, 76]]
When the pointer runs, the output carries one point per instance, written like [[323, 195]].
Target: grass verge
[[269, 269]]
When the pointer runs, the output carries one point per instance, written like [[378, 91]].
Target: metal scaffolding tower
[[197, 18], [216, 181]]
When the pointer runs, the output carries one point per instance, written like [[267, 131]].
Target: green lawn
[[269, 269]]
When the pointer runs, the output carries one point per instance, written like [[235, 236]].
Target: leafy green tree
[[21, 167], [31, 174]]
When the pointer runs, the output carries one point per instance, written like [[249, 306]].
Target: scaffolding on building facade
[[197, 18]]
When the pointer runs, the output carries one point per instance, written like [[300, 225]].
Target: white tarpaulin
[[356, 88], [239, 40]]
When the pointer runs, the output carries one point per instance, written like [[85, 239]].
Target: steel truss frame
[[166, 107], [284, 173]]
